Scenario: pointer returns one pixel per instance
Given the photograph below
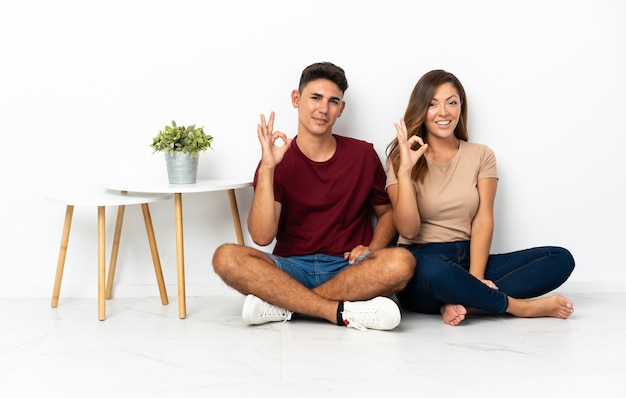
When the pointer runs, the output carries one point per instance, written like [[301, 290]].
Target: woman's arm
[[406, 217], [482, 227]]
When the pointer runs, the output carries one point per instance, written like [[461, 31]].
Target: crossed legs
[[251, 271], [443, 284]]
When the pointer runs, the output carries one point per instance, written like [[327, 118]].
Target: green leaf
[[176, 138]]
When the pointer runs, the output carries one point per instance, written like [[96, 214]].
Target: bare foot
[[555, 306], [453, 314]]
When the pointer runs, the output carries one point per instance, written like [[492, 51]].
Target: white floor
[[143, 349]]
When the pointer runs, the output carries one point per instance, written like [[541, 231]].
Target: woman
[[442, 190]]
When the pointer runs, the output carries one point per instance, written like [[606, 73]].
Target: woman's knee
[[432, 267], [565, 259]]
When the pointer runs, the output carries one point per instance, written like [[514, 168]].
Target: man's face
[[319, 105]]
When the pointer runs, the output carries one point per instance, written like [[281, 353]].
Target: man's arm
[[384, 230], [384, 233], [265, 211]]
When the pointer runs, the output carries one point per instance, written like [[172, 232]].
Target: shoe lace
[[273, 311], [356, 318]]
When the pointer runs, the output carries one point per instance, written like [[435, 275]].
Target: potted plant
[[181, 146]]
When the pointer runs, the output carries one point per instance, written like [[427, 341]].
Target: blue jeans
[[442, 277], [312, 270]]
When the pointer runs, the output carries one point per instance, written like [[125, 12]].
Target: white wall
[[85, 85]]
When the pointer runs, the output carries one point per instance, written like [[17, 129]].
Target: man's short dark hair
[[324, 70]]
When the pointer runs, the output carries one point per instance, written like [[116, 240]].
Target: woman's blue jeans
[[442, 277]]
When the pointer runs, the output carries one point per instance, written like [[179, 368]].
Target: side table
[[100, 198], [202, 185]]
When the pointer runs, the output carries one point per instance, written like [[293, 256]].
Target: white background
[[85, 85]]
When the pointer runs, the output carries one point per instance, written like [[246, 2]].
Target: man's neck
[[317, 148]]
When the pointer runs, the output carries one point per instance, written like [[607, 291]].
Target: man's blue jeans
[[442, 277]]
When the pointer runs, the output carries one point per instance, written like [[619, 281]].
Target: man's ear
[[295, 98], [343, 106]]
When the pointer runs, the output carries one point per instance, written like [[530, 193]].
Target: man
[[315, 194]]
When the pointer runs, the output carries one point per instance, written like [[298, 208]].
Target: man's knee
[[224, 256], [398, 265], [403, 261]]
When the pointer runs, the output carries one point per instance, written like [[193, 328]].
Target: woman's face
[[443, 112]]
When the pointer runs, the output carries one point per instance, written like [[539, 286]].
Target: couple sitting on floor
[[316, 193]]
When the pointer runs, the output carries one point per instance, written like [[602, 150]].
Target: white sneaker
[[379, 313], [256, 311]]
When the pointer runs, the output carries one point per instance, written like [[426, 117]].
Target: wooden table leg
[[155, 253], [180, 255], [235, 212], [101, 263], [115, 251], [69, 211]]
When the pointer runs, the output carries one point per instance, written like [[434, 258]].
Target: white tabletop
[[85, 195], [163, 186]]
